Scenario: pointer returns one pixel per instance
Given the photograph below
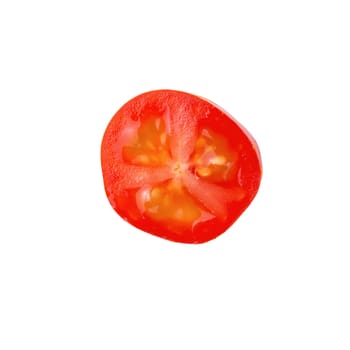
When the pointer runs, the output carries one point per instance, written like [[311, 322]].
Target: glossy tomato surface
[[179, 167]]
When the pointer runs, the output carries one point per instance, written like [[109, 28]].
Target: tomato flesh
[[177, 166]]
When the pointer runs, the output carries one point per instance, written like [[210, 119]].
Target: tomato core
[[177, 166]]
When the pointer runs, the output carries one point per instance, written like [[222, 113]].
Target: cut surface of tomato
[[178, 166]]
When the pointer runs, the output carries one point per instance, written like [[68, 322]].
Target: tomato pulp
[[178, 166]]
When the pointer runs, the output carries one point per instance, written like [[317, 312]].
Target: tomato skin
[[188, 121]]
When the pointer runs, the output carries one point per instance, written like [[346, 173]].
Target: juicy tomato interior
[[179, 167]]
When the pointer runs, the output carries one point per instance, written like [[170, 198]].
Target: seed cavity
[[203, 171], [201, 142], [218, 160], [155, 193], [142, 158], [150, 145], [163, 138]]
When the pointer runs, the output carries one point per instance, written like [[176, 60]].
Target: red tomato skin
[[205, 114]]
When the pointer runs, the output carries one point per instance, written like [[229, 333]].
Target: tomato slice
[[179, 167]]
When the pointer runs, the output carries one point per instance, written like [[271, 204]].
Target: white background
[[73, 275]]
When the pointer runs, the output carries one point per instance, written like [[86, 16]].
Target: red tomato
[[179, 167]]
